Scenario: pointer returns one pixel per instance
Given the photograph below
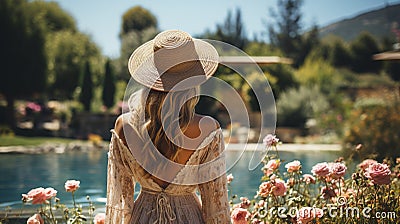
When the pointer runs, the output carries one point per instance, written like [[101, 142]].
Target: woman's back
[[199, 128], [175, 200]]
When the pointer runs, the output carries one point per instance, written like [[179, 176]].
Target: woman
[[162, 144]]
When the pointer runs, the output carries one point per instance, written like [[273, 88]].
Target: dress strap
[[163, 207]]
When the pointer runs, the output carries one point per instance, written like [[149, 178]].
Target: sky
[[102, 19]]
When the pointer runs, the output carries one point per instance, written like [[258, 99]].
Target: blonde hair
[[166, 115]]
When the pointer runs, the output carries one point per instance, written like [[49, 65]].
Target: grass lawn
[[6, 140]]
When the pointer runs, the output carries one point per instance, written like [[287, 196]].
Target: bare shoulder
[[119, 128], [201, 126], [206, 122]]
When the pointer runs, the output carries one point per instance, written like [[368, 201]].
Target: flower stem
[[52, 218], [73, 199]]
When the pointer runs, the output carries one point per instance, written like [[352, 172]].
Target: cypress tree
[[108, 86], [87, 88]]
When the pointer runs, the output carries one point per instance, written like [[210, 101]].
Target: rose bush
[[328, 194], [46, 212]]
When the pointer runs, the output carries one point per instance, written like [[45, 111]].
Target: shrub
[[52, 211], [295, 106], [328, 194], [376, 126]]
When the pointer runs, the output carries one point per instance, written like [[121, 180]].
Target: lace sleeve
[[214, 193], [120, 184]]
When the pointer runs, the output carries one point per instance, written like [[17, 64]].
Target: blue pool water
[[22, 172]]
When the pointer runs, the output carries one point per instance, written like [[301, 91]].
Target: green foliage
[[295, 106], [283, 78], [87, 88], [22, 54], [375, 125], [11, 140], [67, 53], [255, 48], [138, 26], [129, 42], [362, 50], [257, 86], [392, 68], [319, 72], [340, 54], [108, 86], [309, 41], [285, 33], [137, 19], [52, 16], [231, 31]]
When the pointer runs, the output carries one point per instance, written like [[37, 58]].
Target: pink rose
[[291, 182], [50, 192], [37, 195], [245, 202], [25, 198], [35, 219], [239, 216], [309, 179], [293, 166], [327, 192], [270, 140], [365, 164], [261, 203], [307, 214], [321, 169], [72, 185], [100, 218], [378, 173], [265, 189], [229, 178], [271, 166], [279, 188], [338, 170]]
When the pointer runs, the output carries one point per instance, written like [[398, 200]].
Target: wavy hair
[[165, 115]]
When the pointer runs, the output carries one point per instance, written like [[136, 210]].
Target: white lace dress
[[174, 204]]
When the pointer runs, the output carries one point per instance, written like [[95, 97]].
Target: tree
[[108, 86], [286, 34], [66, 49], [67, 53], [362, 50], [53, 16], [22, 56], [309, 41], [137, 19], [87, 88], [340, 55], [231, 31], [138, 26], [392, 68]]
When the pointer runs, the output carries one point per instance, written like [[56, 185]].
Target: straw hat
[[173, 61]]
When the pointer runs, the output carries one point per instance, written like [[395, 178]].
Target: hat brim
[[143, 69]]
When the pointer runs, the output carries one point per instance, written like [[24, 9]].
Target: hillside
[[378, 22]]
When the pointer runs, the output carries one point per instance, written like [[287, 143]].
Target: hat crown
[[171, 39], [174, 52]]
